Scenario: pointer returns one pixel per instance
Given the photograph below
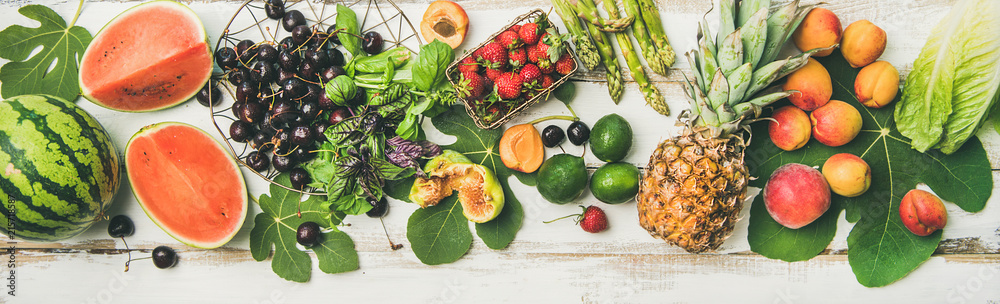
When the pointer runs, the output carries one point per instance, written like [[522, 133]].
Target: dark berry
[[333, 37], [552, 136], [258, 161], [261, 141], [246, 92], [302, 136], [210, 92], [264, 72], [304, 153], [578, 132], [295, 87], [267, 53], [301, 34], [283, 111], [336, 57], [379, 207], [283, 163], [247, 50], [372, 43], [299, 178], [275, 9], [238, 75], [308, 234], [240, 131], [121, 226], [310, 109], [226, 58], [331, 72], [288, 44], [289, 60], [338, 114], [319, 129], [251, 112], [292, 19], [318, 58], [164, 257]]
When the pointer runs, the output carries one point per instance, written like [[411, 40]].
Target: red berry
[[493, 74], [518, 57], [508, 85], [565, 64], [594, 220], [530, 73], [515, 28], [470, 85], [509, 39], [468, 64], [529, 33], [546, 81], [494, 55]]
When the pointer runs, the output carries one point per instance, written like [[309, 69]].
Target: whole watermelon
[[58, 169]]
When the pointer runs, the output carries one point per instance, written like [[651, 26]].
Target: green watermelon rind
[[133, 9], [71, 213], [231, 160]]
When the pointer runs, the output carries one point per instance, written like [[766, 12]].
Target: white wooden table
[[547, 263]]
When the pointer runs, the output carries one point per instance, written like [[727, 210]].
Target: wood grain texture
[[547, 262]]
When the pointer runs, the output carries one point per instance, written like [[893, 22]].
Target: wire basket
[[251, 22], [470, 105]]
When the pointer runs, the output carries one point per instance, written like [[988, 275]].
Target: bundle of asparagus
[[643, 20]]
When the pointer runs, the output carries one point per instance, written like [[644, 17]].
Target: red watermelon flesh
[[152, 56], [186, 183]]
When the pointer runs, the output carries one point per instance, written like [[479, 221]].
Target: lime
[[611, 138], [562, 178], [615, 183]]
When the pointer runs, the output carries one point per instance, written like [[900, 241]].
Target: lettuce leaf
[[955, 79]]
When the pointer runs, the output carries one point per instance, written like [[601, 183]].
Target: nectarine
[[446, 21]]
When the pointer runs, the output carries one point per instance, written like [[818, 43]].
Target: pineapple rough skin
[[693, 190]]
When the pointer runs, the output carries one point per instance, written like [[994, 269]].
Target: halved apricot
[[446, 21]]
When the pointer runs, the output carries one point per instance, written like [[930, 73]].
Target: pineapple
[[693, 189]]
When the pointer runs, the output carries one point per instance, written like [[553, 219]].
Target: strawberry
[[530, 74], [468, 64], [494, 55], [493, 74], [515, 28], [546, 81], [518, 57], [470, 85], [508, 85], [565, 64], [509, 39], [546, 68], [541, 55], [529, 33], [594, 220]]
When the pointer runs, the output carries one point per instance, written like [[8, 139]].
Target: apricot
[[863, 43], [446, 21], [813, 84], [820, 29], [847, 174], [521, 148], [877, 84], [796, 195], [836, 123], [790, 128], [922, 212]]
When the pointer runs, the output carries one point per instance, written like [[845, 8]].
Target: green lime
[[562, 178], [611, 138], [615, 183]]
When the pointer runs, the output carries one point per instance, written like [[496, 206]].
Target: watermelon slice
[[153, 56], [187, 183]]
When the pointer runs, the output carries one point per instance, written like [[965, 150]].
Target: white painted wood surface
[[551, 263]]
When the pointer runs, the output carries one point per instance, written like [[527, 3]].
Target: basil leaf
[[390, 171], [341, 90], [432, 62], [350, 34]]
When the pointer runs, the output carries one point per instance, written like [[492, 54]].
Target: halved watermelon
[[153, 56], [187, 183]]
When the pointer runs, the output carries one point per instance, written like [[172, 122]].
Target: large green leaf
[[276, 227], [59, 44], [439, 234], [347, 22], [881, 250], [955, 79]]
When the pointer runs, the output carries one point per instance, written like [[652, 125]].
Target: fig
[[479, 191]]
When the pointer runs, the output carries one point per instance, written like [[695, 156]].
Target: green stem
[[614, 71], [585, 48], [79, 9], [646, 46], [553, 117], [649, 92], [651, 16]]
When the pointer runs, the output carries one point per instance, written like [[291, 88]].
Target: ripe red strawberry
[[546, 81], [468, 64], [508, 85], [470, 85], [541, 55], [494, 55], [518, 57], [546, 68], [510, 40], [529, 33], [493, 74], [515, 28], [530, 74], [594, 220], [565, 64]]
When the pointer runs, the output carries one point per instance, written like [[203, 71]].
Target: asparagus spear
[[649, 92], [589, 14], [656, 63], [614, 71], [651, 16], [585, 48]]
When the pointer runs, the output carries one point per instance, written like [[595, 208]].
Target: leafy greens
[[955, 81], [61, 45]]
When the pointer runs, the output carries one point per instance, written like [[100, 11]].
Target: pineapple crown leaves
[[733, 69]]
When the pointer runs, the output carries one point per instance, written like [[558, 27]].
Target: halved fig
[[446, 21], [479, 192]]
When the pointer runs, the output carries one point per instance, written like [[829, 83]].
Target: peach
[[790, 128], [796, 195], [836, 123], [820, 29], [922, 212], [863, 43], [877, 84], [446, 21], [847, 174], [813, 84]]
